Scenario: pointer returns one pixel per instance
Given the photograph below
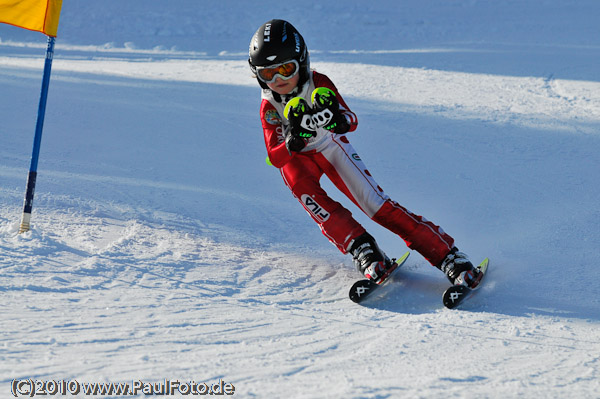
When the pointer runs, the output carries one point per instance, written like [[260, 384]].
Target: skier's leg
[[302, 176], [347, 171], [340, 161], [419, 234]]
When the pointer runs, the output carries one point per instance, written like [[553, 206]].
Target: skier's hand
[[299, 113], [293, 142], [326, 111]]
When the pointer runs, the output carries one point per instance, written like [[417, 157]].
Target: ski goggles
[[285, 71]]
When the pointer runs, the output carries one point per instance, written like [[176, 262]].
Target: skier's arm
[[273, 131]]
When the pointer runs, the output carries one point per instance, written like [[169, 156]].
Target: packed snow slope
[[163, 246]]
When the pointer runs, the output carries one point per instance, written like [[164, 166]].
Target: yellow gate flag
[[37, 15]]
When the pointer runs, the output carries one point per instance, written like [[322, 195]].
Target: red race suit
[[333, 155]]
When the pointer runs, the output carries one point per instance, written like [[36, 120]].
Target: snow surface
[[163, 247]]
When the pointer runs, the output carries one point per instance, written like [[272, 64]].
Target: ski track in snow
[[163, 246], [140, 297]]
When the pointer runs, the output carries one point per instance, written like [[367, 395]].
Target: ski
[[457, 294], [364, 288]]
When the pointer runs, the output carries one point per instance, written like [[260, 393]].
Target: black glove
[[326, 111], [299, 113], [293, 142]]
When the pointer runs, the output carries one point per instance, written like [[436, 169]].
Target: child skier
[[307, 140]]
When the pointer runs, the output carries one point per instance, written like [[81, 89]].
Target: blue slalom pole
[[37, 141]]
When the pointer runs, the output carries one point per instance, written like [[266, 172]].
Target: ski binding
[[457, 294], [364, 288]]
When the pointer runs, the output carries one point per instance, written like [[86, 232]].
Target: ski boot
[[459, 269], [369, 259]]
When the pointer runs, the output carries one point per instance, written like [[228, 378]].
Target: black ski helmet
[[278, 41]]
